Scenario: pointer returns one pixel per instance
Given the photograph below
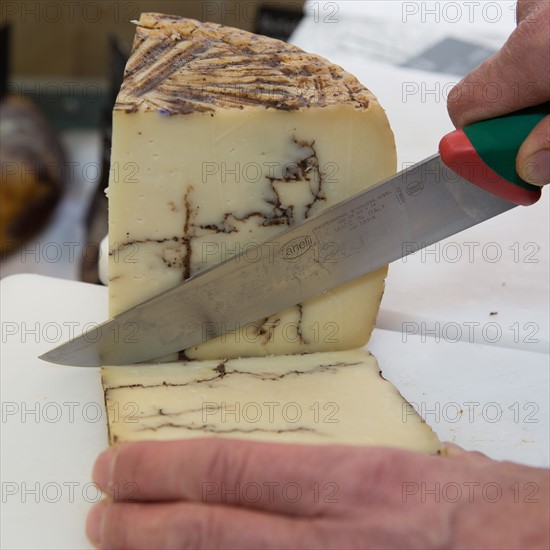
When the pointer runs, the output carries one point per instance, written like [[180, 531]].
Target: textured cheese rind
[[184, 66], [331, 397]]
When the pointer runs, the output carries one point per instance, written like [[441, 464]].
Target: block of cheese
[[222, 139], [330, 397]]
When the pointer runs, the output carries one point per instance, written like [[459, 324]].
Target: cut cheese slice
[[330, 397], [222, 139]]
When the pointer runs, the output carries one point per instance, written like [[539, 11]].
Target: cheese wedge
[[222, 139], [329, 397]]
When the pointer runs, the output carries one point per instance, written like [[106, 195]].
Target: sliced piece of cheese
[[222, 138], [330, 397]]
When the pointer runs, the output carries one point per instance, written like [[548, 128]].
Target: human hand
[[516, 77], [216, 493]]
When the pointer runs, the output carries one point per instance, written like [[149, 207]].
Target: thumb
[[533, 160]]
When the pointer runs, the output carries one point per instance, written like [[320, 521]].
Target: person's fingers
[[296, 479], [528, 9], [190, 525], [454, 451], [94, 522], [533, 160], [514, 78]]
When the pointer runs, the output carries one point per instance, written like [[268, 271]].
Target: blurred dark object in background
[[278, 21], [97, 216], [4, 58], [32, 172], [32, 165]]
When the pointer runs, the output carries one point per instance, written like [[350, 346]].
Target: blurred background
[[61, 65]]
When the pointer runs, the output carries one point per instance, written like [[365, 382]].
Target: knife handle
[[484, 153]]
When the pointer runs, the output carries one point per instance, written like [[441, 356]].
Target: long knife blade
[[414, 209]]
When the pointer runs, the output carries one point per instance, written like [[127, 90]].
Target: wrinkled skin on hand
[[516, 77], [215, 493]]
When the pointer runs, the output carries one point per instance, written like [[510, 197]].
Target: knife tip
[[59, 359]]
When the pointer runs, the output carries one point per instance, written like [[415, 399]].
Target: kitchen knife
[[472, 179]]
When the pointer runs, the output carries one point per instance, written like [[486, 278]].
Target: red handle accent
[[459, 155]]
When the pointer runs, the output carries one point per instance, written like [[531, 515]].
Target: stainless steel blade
[[409, 211]]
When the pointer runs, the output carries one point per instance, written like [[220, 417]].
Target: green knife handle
[[485, 153]]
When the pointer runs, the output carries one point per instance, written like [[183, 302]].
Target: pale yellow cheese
[[233, 162], [222, 139], [330, 397]]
